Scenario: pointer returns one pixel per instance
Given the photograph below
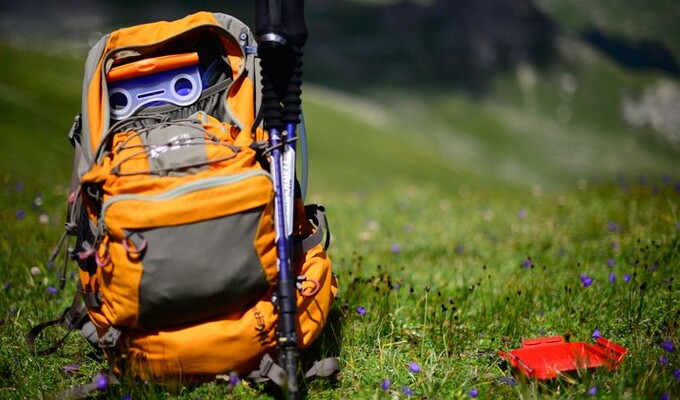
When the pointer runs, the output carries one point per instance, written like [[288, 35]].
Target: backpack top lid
[[161, 42]]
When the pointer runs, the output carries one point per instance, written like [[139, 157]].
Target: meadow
[[459, 228]]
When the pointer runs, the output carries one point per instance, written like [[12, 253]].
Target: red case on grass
[[546, 358]]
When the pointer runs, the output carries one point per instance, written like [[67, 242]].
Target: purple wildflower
[[474, 393], [52, 290], [626, 278], [592, 391], [676, 375], [19, 187], [102, 381], [597, 334], [663, 361], [127, 397], [522, 213], [71, 368], [407, 390], [361, 310], [396, 248], [665, 396], [385, 385], [612, 277], [668, 346], [613, 226], [615, 246], [7, 286], [414, 367], [611, 262], [21, 214], [527, 263], [652, 267], [234, 379], [586, 280]]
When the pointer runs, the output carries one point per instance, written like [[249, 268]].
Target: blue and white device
[[174, 79]]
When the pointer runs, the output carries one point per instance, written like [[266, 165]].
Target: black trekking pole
[[281, 33]]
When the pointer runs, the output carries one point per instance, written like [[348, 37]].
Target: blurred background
[[454, 94]]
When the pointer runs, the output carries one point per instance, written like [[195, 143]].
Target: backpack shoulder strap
[[72, 318]]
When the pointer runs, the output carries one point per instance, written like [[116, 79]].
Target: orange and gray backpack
[[173, 212]]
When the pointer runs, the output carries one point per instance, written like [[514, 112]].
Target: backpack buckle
[[76, 129], [110, 338]]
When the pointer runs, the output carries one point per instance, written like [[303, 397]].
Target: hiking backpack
[[172, 207]]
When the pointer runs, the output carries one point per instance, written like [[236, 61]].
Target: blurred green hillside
[[546, 108]]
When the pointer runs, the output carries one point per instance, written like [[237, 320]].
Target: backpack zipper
[[190, 187]]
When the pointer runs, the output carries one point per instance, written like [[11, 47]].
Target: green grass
[[441, 279], [39, 96], [433, 211]]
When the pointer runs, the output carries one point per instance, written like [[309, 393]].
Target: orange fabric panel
[[196, 206], [237, 341], [154, 32], [265, 243], [120, 288]]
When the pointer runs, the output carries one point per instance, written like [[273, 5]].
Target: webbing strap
[[91, 300], [83, 391], [33, 334], [323, 368], [271, 371], [72, 318], [268, 371], [317, 215], [89, 332]]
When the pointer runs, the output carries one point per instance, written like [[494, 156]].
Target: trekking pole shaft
[[287, 327], [280, 25]]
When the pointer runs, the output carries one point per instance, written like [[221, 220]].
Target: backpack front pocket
[[202, 249]]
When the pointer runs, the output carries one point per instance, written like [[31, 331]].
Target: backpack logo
[[175, 143]]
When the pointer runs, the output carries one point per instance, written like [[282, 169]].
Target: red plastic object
[[546, 358]]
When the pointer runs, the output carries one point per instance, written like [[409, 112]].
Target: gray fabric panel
[[93, 57], [201, 270], [235, 27], [173, 148], [244, 37]]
